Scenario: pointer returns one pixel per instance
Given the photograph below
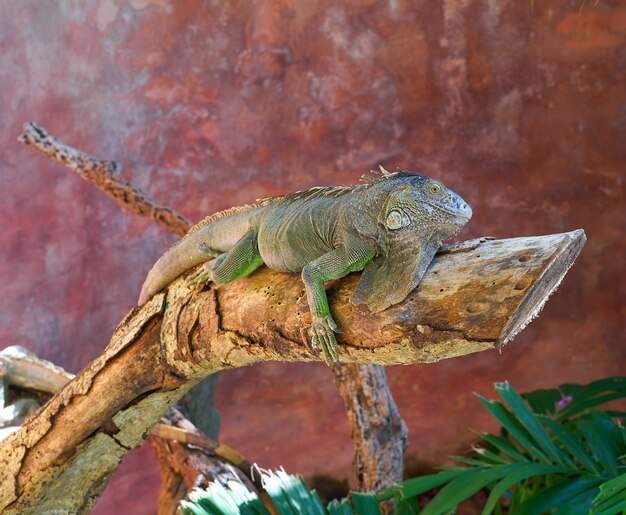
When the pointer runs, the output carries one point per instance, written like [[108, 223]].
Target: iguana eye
[[434, 188]]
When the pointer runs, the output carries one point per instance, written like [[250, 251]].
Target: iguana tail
[[215, 234]]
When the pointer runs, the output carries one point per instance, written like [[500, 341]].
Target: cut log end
[[569, 246]]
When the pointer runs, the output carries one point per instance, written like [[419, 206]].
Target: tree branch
[[352, 382], [188, 458], [106, 176], [471, 301], [379, 434], [25, 370]]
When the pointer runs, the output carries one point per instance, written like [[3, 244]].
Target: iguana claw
[[323, 335], [202, 275]]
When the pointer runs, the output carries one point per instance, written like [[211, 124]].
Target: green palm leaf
[[555, 453], [290, 495], [416, 486], [604, 439], [342, 507], [559, 495], [365, 503], [532, 424], [543, 402], [611, 498], [505, 446], [466, 485], [570, 442], [513, 426], [521, 472], [591, 395]]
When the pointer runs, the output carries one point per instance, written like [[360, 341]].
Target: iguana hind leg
[[241, 260], [332, 265]]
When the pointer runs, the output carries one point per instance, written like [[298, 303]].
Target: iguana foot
[[203, 274], [323, 335]]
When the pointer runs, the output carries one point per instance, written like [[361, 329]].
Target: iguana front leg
[[332, 265]]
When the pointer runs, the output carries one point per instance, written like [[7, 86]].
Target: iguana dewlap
[[390, 227]]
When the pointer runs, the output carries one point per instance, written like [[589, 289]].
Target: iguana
[[389, 226]]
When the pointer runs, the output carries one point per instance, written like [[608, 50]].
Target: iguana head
[[417, 214], [417, 199]]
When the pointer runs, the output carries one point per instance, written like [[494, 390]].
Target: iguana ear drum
[[396, 219]]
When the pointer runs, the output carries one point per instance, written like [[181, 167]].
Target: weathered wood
[[468, 301], [184, 467], [25, 370], [188, 458], [107, 176], [378, 432], [62, 457]]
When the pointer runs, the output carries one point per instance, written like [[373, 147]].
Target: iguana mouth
[[456, 214]]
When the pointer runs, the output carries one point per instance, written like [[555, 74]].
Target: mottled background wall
[[521, 109]]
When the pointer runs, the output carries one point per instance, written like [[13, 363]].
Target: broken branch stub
[[468, 301]]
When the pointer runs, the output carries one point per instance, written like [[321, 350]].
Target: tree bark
[[188, 458], [62, 458], [379, 434], [351, 382], [191, 462], [105, 175]]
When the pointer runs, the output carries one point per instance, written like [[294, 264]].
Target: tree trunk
[[469, 301], [184, 466], [379, 434]]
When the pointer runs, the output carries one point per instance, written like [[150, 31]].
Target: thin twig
[[106, 175]]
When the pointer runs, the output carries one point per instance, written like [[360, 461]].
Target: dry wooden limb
[[106, 175], [21, 369], [24, 369], [352, 381], [471, 301], [187, 457], [379, 434]]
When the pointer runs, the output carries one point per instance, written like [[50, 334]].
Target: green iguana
[[390, 227]]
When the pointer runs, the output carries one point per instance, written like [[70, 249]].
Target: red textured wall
[[211, 104]]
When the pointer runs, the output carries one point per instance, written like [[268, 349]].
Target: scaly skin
[[390, 227]]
